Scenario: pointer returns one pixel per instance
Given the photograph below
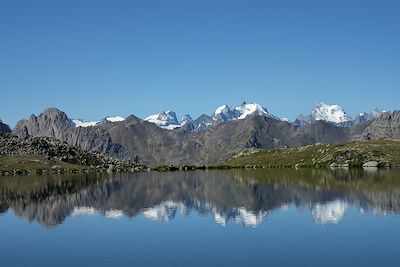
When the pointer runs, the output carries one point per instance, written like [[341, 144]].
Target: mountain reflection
[[245, 197]]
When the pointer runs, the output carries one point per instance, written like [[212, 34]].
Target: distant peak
[[248, 109], [330, 113], [186, 119], [164, 119], [222, 109]]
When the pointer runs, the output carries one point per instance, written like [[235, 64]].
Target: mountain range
[[161, 139], [333, 114]]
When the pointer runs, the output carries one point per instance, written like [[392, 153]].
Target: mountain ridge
[[136, 139]]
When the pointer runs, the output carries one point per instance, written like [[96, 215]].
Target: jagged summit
[[367, 116], [164, 119], [226, 113], [330, 113], [212, 142], [168, 119], [251, 109], [334, 114]]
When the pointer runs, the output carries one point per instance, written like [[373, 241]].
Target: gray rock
[[371, 164], [55, 150], [4, 128], [386, 125]]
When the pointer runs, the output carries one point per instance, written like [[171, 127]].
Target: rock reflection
[[245, 197]]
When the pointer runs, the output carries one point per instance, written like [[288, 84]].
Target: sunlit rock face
[[331, 212]]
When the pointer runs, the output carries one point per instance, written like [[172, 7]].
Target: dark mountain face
[[4, 128], [385, 126], [202, 123], [134, 138]]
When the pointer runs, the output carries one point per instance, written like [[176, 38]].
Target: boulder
[[371, 164]]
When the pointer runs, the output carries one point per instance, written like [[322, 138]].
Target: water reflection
[[245, 197]]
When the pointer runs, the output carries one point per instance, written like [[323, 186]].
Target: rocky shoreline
[[48, 155], [42, 155]]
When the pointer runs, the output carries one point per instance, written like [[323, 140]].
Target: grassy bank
[[351, 154], [37, 164], [20, 164]]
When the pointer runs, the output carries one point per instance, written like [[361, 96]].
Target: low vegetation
[[19, 164], [384, 153]]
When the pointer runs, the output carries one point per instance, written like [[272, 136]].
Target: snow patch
[[84, 123], [115, 119]]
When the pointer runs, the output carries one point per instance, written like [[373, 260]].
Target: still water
[[202, 218]]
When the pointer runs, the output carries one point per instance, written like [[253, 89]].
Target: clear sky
[[94, 58]]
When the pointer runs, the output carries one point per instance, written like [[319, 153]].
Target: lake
[[275, 217]]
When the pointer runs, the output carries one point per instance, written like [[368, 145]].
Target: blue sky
[[94, 58]]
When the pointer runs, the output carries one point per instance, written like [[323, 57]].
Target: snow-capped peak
[[330, 113], [222, 109], [164, 119], [250, 109], [167, 120], [226, 113]]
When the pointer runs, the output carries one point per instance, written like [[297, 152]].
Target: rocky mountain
[[324, 112], [367, 116], [200, 141], [187, 123], [226, 113], [303, 120], [168, 120], [165, 120], [330, 113], [4, 128], [203, 122], [54, 149], [386, 125]]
